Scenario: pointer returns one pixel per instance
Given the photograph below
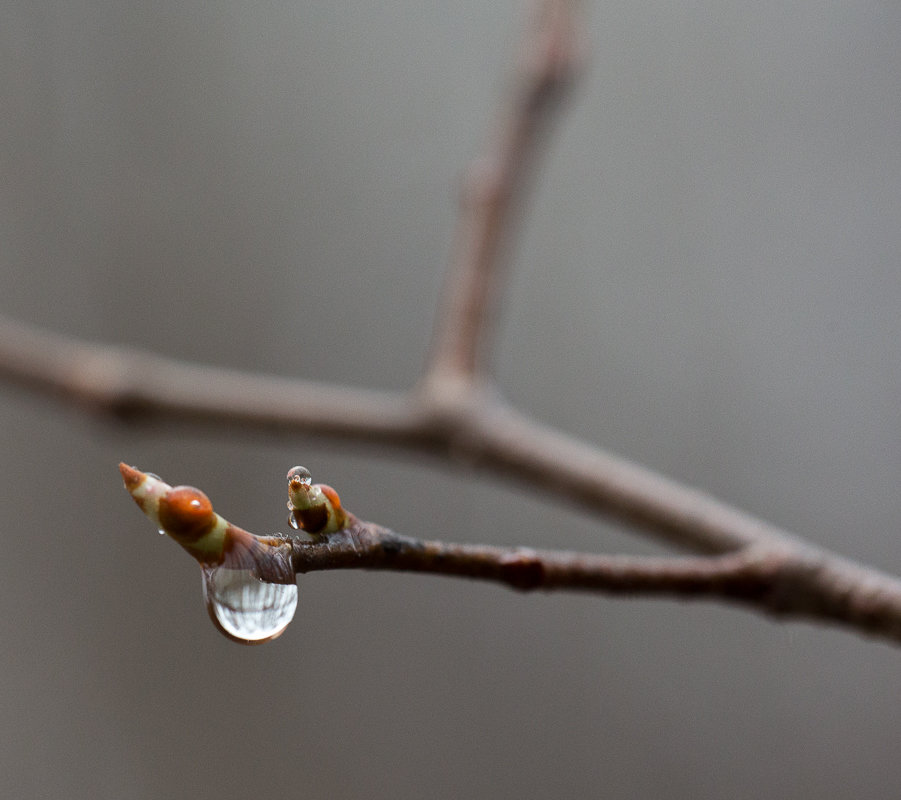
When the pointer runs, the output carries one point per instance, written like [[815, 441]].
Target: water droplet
[[301, 474], [161, 532], [153, 475], [292, 521], [245, 608]]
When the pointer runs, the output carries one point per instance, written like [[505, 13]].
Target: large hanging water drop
[[244, 607]]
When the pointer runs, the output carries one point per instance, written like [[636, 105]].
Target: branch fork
[[455, 412]]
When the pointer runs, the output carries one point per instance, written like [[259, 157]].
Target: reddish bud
[[186, 513]]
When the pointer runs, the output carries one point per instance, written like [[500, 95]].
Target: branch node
[[522, 569]]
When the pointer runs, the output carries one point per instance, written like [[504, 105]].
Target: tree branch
[[138, 385], [455, 413], [477, 427]]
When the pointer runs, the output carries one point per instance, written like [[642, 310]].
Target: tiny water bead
[[300, 475]]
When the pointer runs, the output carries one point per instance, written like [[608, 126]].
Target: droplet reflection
[[245, 608]]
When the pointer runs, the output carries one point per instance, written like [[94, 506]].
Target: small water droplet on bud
[[301, 475]]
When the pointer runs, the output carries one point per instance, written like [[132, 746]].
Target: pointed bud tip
[[132, 477]]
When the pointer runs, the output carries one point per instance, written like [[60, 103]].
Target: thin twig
[[788, 581], [494, 189], [369, 546]]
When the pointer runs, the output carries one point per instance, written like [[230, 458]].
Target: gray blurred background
[[708, 284]]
